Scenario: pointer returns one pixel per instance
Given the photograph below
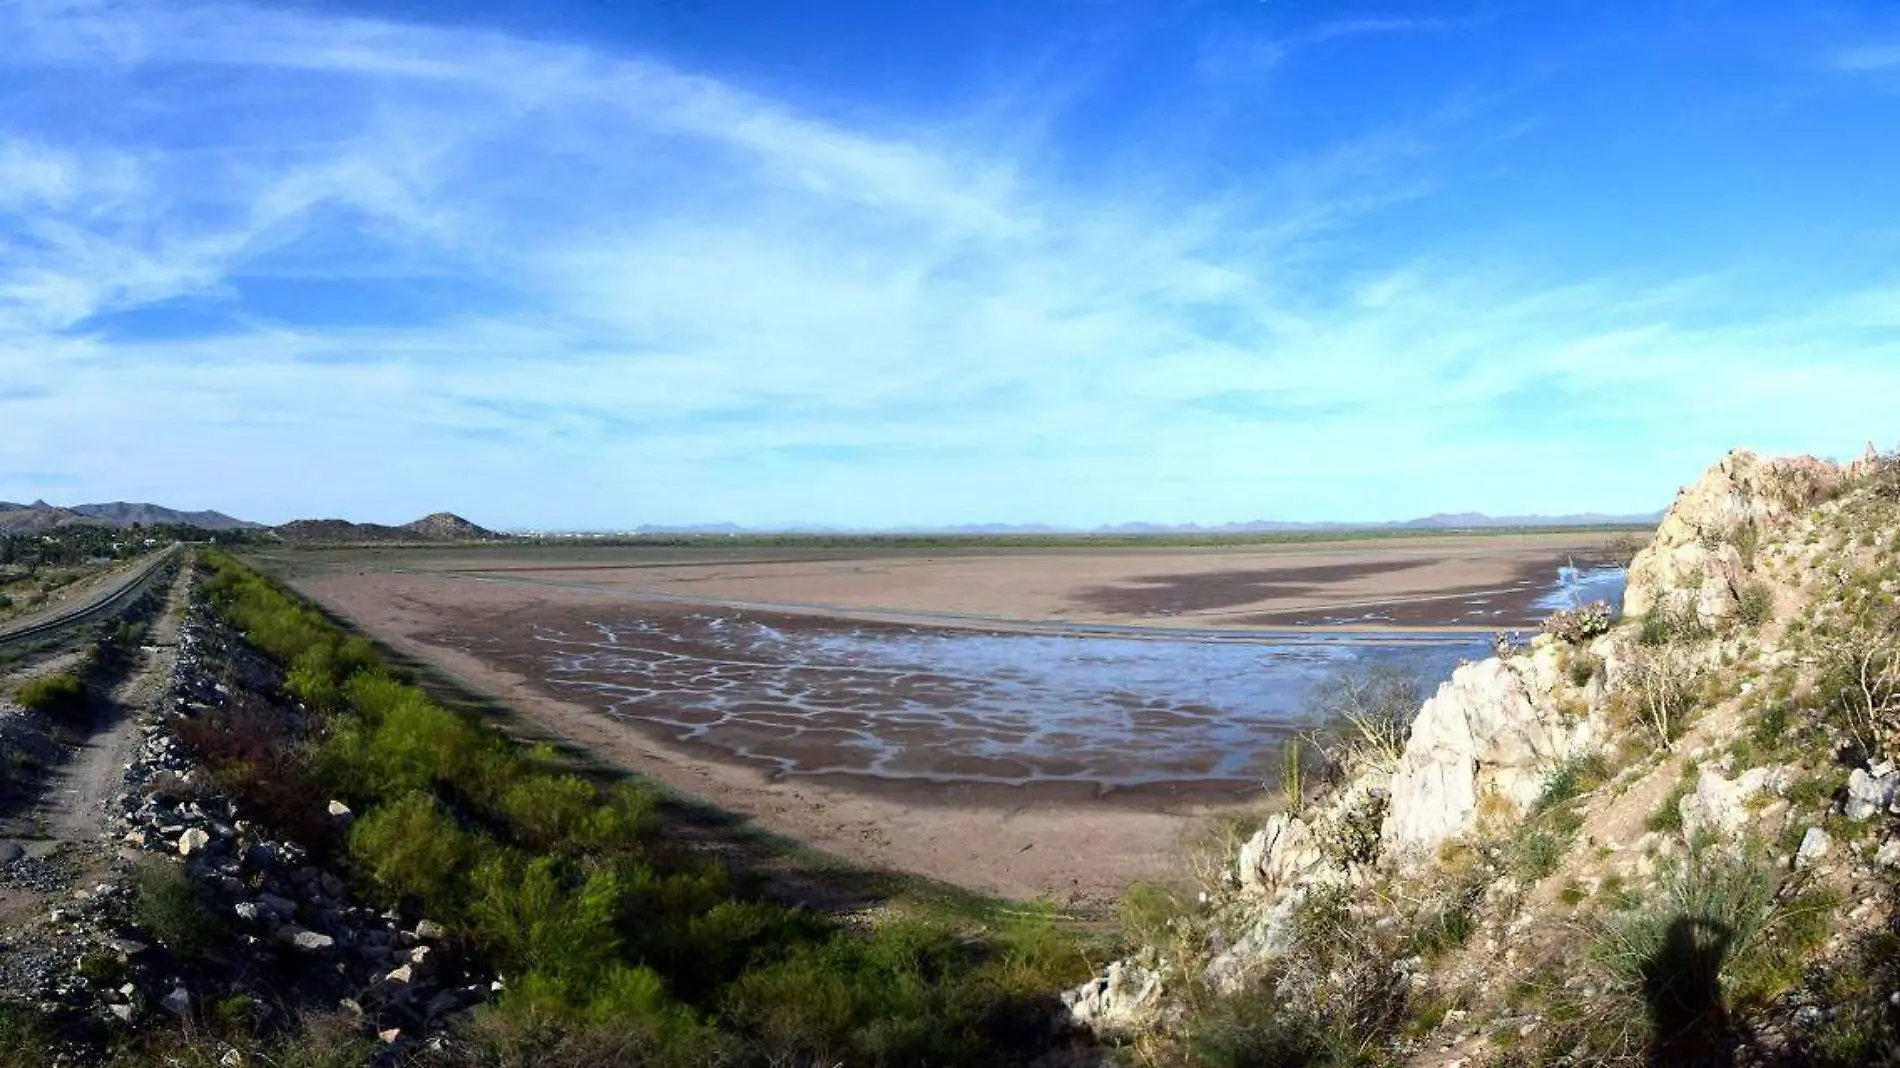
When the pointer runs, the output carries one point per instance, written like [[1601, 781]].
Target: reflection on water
[[970, 706], [806, 696], [1578, 586]]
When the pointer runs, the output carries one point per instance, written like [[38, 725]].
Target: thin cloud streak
[[708, 304]]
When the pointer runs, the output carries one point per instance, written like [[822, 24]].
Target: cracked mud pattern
[[894, 704], [804, 697]]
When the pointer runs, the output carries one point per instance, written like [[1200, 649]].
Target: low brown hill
[[447, 526], [339, 532], [440, 527]]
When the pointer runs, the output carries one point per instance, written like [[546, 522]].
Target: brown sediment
[[1003, 817], [1179, 594]]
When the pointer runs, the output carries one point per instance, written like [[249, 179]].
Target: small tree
[[1665, 682], [1367, 717]]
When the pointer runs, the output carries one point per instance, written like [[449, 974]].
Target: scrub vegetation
[[619, 946]]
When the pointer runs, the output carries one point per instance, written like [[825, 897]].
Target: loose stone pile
[[298, 937]]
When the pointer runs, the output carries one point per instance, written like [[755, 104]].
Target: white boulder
[[1125, 998], [1869, 793], [1481, 733], [1720, 805]]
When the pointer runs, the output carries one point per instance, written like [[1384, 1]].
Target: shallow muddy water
[[1109, 709]]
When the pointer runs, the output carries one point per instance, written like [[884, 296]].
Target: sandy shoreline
[[1051, 839], [1040, 846]]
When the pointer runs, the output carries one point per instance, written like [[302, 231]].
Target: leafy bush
[[59, 696], [168, 906], [1367, 716], [1579, 625], [1757, 603], [414, 850], [1578, 775], [619, 948]]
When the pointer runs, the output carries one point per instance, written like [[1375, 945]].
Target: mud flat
[[962, 737]]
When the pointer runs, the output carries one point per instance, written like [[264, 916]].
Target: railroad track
[[101, 608]]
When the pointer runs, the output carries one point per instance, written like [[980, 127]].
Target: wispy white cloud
[[673, 297], [1868, 58]]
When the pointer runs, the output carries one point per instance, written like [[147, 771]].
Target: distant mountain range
[[448, 527], [39, 517], [1441, 521]]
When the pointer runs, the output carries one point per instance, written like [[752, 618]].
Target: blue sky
[[1068, 261]]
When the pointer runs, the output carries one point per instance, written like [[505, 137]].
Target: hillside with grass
[[1668, 838]]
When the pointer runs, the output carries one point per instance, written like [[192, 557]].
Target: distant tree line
[[76, 543]]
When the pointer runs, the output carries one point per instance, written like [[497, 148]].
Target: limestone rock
[[1278, 854], [1721, 805], [193, 841], [1888, 855], [1692, 562], [1814, 845], [1868, 793], [1124, 999], [1481, 733], [1269, 936]]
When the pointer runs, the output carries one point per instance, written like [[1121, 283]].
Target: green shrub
[[24, 1037], [532, 921], [1726, 930], [414, 850], [168, 905], [1578, 775], [1535, 853], [1757, 603], [61, 696], [618, 948], [1667, 817]]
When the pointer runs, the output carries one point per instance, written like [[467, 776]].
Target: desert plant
[[59, 696], [1861, 672], [1582, 667], [1757, 603], [1577, 775], [1368, 717], [1292, 777], [167, 904], [1353, 837], [1727, 930], [1579, 625], [1664, 682]]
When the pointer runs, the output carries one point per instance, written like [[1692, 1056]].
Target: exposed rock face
[[1693, 561], [1870, 792], [1278, 854], [1481, 733], [1123, 999], [1720, 805]]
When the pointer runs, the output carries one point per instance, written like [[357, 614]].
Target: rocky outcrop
[[1720, 806], [1869, 791], [1125, 998], [1695, 561], [1487, 731], [1278, 855]]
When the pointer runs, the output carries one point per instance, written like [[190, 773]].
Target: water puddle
[[1115, 709]]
